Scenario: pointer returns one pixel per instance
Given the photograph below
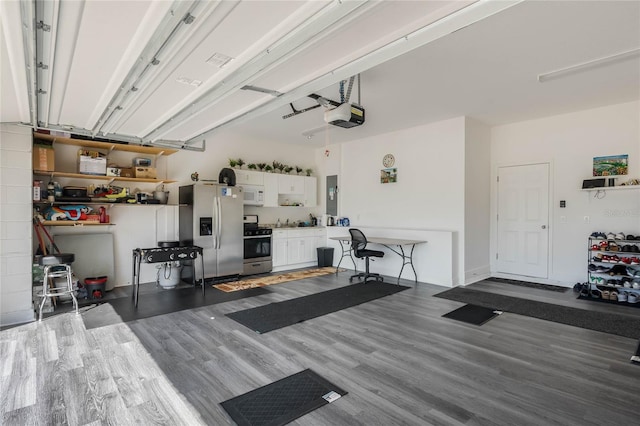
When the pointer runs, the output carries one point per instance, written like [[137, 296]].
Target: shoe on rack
[[592, 267], [631, 237], [596, 294], [613, 246], [626, 260], [604, 246], [613, 295], [622, 296], [635, 249], [632, 298], [620, 236], [626, 248], [601, 268], [611, 236]]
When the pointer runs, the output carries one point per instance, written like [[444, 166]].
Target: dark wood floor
[[401, 363]]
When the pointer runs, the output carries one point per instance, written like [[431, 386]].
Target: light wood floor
[[401, 363]]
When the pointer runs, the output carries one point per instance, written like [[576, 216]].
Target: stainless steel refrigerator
[[210, 216]]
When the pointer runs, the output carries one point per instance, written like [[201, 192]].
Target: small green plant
[[252, 166], [240, 162], [275, 165], [232, 162], [288, 169], [281, 167], [268, 168], [261, 166], [298, 170], [308, 172]]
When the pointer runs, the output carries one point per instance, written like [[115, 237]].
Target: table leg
[[202, 265], [137, 289], [346, 252]]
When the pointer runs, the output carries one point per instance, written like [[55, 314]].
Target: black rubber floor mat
[[283, 401], [282, 314], [618, 324], [472, 314], [123, 310]]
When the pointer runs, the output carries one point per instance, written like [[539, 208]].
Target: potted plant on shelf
[[232, 162], [275, 165], [268, 168], [252, 166], [308, 171], [288, 169], [281, 167], [261, 166], [298, 170], [240, 162]]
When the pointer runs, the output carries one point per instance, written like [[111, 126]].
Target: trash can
[[325, 256]]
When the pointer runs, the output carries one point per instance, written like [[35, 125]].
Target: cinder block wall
[[16, 182]]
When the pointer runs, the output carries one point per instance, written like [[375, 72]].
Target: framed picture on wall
[[389, 175], [611, 165]]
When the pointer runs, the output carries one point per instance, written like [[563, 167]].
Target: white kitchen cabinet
[[249, 177], [310, 191], [290, 184], [279, 251], [270, 190], [296, 247]]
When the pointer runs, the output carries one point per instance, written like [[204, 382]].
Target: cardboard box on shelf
[[44, 158], [145, 172], [126, 172]]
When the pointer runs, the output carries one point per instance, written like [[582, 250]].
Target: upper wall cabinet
[[249, 177], [290, 184]]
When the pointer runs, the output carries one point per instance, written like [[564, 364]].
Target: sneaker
[[601, 268], [631, 237], [635, 249], [611, 236], [622, 296], [613, 246], [592, 267], [626, 248], [618, 270], [597, 257], [620, 236], [604, 246], [632, 298], [635, 261], [626, 260], [613, 295]]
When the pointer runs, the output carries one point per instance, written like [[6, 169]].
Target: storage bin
[[325, 256]]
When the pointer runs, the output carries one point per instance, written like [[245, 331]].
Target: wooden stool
[[57, 266]]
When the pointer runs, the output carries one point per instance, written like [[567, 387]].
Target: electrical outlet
[[587, 219]]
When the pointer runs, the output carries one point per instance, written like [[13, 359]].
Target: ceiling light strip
[[173, 21], [294, 40], [425, 35], [589, 65]]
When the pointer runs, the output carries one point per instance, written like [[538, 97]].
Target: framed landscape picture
[[389, 175], [612, 165]]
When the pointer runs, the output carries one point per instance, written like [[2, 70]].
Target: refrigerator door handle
[[219, 231], [214, 225]]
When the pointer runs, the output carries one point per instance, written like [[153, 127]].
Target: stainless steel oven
[[257, 247]]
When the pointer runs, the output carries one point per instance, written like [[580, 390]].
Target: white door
[[523, 220]]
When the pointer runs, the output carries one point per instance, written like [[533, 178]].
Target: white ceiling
[[479, 59]]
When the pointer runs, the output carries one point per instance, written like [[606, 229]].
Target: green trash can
[[325, 256]]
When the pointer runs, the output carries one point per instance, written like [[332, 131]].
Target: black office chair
[[359, 248]]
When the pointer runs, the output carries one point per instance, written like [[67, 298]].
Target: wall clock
[[388, 160]]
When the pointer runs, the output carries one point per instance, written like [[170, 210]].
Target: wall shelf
[[612, 188], [97, 177], [109, 146], [73, 223]]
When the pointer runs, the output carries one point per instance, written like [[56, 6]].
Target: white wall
[[15, 225], [569, 142], [429, 194], [477, 200]]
